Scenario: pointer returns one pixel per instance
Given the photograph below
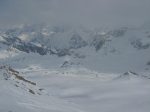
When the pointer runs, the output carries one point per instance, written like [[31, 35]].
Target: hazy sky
[[86, 12]]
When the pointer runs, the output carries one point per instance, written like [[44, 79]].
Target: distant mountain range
[[101, 48]]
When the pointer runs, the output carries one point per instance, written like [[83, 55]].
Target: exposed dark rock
[[63, 52], [65, 64], [148, 63], [130, 74], [28, 47], [118, 33], [98, 42], [31, 91], [11, 72], [139, 45], [77, 42]]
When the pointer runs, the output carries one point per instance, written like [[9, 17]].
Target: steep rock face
[[118, 32], [28, 47], [77, 42], [98, 41], [41, 40], [140, 45]]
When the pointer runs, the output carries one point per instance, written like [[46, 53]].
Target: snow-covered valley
[[63, 69]]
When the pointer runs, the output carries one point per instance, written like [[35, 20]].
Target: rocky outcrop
[[139, 45], [98, 41], [16, 78], [77, 42]]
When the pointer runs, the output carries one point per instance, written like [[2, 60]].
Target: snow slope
[[66, 69], [69, 93]]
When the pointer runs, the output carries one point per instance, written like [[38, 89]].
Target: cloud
[[86, 12]]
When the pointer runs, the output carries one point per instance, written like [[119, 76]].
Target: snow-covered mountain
[[102, 50], [74, 69]]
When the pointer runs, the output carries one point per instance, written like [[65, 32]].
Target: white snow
[[93, 83], [24, 37], [76, 94]]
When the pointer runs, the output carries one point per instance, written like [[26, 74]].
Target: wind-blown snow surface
[[95, 76], [72, 93]]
